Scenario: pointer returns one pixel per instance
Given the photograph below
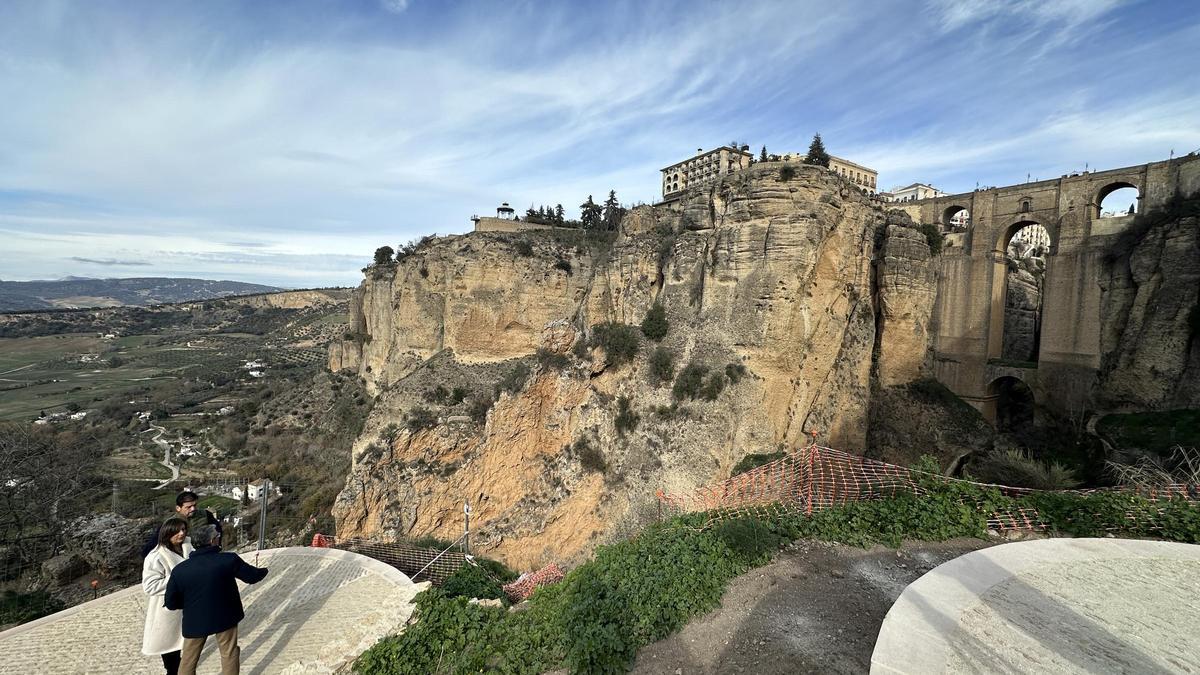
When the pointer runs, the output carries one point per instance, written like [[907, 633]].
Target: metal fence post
[[467, 527], [262, 514]]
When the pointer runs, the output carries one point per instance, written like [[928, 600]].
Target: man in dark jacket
[[204, 586], [185, 507]]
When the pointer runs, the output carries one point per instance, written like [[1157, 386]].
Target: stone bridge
[[968, 315]]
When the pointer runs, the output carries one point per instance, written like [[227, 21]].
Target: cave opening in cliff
[[1116, 200], [1025, 255], [1014, 404]]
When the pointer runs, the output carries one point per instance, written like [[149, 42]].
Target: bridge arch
[[1015, 320], [1018, 224], [1012, 402], [955, 217], [1107, 190]]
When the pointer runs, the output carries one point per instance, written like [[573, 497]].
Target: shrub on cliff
[[626, 419], [619, 341], [514, 380], [420, 418], [690, 381], [655, 325], [662, 365], [933, 237], [383, 255]]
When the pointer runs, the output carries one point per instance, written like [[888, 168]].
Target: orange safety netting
[[813, 478]]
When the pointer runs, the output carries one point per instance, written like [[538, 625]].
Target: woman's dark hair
[[169, 529]]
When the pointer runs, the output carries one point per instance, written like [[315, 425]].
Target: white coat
[[164, 627]]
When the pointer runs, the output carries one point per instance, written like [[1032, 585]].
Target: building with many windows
[[864, 177], [704, 168], [913, 192], [858, 174]]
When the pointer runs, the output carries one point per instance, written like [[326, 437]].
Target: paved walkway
[[317, 609], [1050, 606]]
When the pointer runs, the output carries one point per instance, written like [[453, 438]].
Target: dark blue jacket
[[204, 587]]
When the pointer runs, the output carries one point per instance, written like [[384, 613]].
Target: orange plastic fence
[[815, 477]]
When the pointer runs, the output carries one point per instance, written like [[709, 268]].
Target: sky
[[283, 142]]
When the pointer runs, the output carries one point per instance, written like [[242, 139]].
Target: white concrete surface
[[1050, 606], [316, 610]]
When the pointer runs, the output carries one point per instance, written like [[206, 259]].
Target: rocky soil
[[816, 609]]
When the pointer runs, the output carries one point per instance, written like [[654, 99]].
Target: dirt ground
[[816, 609]]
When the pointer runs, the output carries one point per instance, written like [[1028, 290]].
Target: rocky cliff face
[[1151, 338], [800, 282]]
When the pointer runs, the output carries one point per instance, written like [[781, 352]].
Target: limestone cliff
[[1151, 299], [771, 280]]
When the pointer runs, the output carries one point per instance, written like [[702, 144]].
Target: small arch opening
[[1116, 200], [1014, 404], [956, 219]]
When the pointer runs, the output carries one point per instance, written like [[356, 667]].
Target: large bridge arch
[[972, 288]]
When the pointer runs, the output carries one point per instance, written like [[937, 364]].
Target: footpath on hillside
[[816, 609]]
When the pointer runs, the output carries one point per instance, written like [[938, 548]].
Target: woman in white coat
[[163, 634]]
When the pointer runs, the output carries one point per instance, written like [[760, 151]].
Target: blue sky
[[283, 142]]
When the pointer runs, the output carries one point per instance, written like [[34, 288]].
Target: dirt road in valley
[[816, 609]]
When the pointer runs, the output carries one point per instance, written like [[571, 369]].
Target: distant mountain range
[[76, 292]]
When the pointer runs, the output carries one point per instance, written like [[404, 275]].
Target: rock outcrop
[[1151, 338], [771, 282]]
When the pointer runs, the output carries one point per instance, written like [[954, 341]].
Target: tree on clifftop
[[613, 212], [383, 255], [590, 214], [816, 152], [762, 157]]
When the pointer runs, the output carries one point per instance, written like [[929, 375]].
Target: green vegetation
[[549, 360], [1019, 469], [626, 419], [735, 372], [383, 255], [933, 237], [754, 461], [643, 589], [816, 152], [523, 248], [420, 418], [514, 380], [619, 342], [655, 325], [689, 382], [713, 386], [662, 365], [786, 173], [564, 265], [18, 607], [473, 582], [590, 457], [1155, 432]]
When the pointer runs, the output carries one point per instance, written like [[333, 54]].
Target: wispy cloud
[[254, 135], [394, 6], [110, 262], [955, 14]]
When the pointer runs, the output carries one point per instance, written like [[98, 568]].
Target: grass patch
[[640, 590], [1155, 432], [756, 460]]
